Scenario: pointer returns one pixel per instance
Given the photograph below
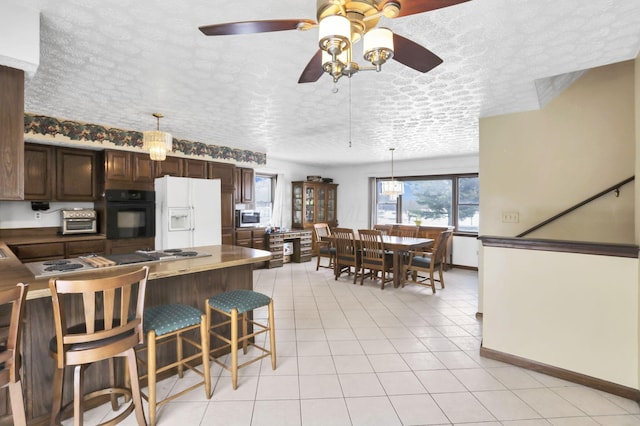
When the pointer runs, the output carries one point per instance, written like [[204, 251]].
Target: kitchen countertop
[[12, 271]]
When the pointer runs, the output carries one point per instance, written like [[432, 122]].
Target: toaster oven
[[79, 221]]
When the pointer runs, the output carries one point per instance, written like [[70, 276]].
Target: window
[[264, 192], [432, 201]]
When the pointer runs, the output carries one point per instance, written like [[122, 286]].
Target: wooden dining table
[[397, 245]]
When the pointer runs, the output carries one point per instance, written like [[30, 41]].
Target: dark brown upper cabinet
[[172, 166], [76, 175], [225, 172], [128, 170], [11, 133], [244, 185], [39, 172], [195, 168]]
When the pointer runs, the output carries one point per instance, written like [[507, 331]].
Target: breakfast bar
[[188, 280]]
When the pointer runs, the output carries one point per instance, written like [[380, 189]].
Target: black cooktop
[[128, 258]]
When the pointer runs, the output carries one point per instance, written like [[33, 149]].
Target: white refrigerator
[[187, 212]]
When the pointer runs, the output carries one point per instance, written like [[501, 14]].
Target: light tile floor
[[352, 355]]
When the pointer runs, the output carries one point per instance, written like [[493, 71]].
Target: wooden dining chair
[[374, 257], [106, 325], [426, 262], [404, 231], [10, 352], [324, 248], [385, 229], [347, 253]]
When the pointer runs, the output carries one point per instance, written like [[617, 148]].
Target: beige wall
[[539, 163], [573, 311], [637, 215], [567, 310]]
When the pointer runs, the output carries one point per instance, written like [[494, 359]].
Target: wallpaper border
[[94, 133]]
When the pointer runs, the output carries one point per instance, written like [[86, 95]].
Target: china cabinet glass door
[[297, 206], [331, 205], [321, 205], [309, 204]]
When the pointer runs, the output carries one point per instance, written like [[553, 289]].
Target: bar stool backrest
[[112, 310], [10, 351]]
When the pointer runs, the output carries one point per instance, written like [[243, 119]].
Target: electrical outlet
[[38, 215], [510, 217]]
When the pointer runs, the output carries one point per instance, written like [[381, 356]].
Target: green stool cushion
[[242, 300], [169, 318]]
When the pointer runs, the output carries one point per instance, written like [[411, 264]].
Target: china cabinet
[[314, 202]]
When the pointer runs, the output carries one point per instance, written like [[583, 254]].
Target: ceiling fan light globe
[[334, 30]]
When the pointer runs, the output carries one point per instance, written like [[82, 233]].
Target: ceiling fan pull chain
[[349, 112]]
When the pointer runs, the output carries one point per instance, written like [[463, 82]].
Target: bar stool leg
[[234, 348], [206, 364], [56, 404], [151, 375], [179, 355], [17, 404], [132, 364], [112, 383], [78, 398], [245, 331], [272, 335]]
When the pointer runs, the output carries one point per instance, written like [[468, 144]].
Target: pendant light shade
[[392, 188], [157, 142]]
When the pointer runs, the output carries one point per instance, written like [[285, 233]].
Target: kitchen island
[[189, 281]]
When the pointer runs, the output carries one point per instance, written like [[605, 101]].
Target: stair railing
[[615, 188]]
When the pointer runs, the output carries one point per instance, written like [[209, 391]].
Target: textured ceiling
[[115, 62]]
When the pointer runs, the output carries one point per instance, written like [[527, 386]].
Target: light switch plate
[[510, 217]]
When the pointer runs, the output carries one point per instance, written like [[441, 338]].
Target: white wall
[[19, 37], [18, 214]]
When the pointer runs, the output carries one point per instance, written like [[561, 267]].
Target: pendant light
[[392, 188], [157, 142]]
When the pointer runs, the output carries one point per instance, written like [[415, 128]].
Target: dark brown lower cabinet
[[129, 245]]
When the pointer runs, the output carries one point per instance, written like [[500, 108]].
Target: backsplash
[[18, 214], [48, 128]]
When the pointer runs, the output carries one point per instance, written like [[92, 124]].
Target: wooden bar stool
[[10, 351], [165, 324], [110, 314], [234, 306]]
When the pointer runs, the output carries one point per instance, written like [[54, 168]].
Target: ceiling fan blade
[[251, 27], [313, 71], [413, 55], [411, 7]]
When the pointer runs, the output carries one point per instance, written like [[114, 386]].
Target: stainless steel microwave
[[245, 218]]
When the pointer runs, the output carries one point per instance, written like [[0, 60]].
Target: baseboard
[[561, 373], [469, 268]]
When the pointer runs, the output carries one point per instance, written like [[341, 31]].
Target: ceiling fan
[[341, 24]]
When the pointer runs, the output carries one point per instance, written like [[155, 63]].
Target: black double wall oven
[[130, 213]]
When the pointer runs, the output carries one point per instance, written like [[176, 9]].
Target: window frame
[[273, 178], [455, 204]]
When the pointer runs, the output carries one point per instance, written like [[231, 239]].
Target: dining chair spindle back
[[347, 253], [374, 257]]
